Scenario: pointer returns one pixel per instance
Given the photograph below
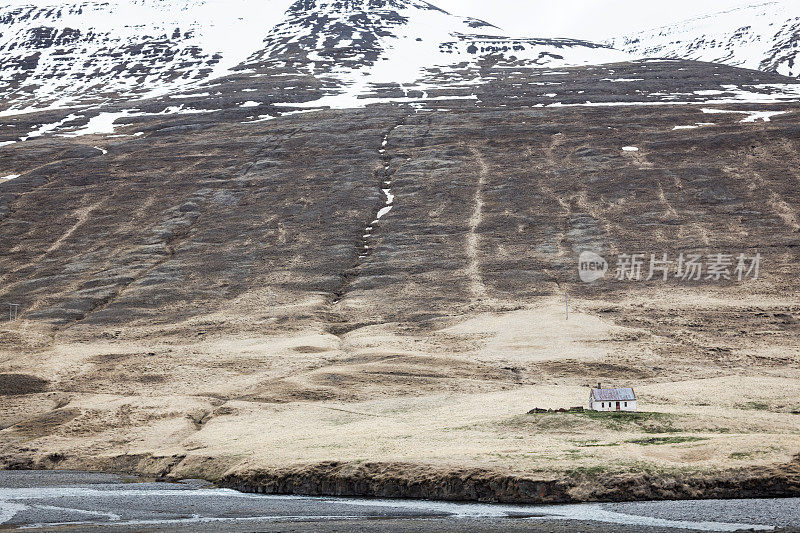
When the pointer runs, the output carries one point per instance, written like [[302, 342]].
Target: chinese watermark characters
[[716, 267]]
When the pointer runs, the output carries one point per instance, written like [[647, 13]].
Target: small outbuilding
[[601, 399]]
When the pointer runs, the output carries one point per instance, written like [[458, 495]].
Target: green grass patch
[[647, 422], [754, 406], [587, 471], [658, 441], [632, 467], [754, 453], [644, 422], [741, 455], [593, 444]]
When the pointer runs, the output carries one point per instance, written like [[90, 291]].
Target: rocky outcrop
[[380, 480], [421, 481]]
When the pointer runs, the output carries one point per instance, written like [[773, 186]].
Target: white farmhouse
[[601, 399]]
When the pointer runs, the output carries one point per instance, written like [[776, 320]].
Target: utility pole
[[566, 304]]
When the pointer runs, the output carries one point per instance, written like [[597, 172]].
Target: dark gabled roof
[[613, 395]]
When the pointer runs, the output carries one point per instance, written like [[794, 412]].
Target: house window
[[626, 404], [602, 405]]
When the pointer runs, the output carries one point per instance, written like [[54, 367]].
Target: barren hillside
[[251, 277]]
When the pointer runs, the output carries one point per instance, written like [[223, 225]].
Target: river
[[80, 501]]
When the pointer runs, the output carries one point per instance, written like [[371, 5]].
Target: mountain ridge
[[87, 52]]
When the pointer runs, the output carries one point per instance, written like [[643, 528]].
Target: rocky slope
[[763, 36]]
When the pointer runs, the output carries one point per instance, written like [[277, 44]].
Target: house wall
[[612, 406]]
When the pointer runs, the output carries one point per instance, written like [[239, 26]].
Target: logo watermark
[[716, 267], [592, 267]]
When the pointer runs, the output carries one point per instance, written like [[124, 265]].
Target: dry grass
[[248, 402]]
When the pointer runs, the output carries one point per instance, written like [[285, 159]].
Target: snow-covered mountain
[[65, 52], [396, 40], [763, 36], [68, 52]]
